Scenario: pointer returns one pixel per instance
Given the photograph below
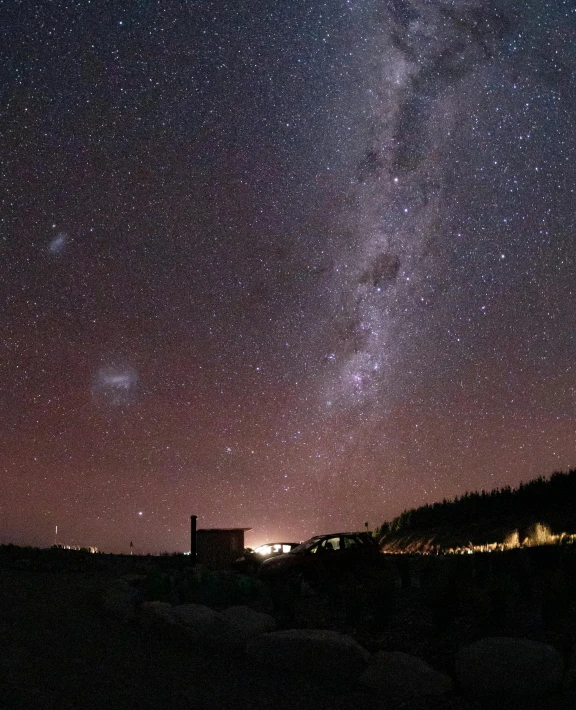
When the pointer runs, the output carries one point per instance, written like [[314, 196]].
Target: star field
[[289, 266]]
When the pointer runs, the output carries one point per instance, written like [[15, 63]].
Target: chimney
[[193, 519]]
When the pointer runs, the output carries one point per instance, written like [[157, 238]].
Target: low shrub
[[512, 540], [201, 586], [539, 534]]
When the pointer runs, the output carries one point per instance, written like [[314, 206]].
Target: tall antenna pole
[[56, 537]]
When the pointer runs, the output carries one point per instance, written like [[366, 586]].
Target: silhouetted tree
[[551, 500]]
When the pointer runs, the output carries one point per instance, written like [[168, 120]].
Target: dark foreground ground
[[60, 649]]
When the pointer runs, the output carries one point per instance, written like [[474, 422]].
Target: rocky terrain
[[83, 632]]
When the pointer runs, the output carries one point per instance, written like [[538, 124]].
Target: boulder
[[324, 656], [238, 624], [198, 621], [119, 600], [508, 668], [398, 674]]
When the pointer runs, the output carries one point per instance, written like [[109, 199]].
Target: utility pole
[[56, 537]]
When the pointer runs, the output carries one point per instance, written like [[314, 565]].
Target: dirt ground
[[59, 649]]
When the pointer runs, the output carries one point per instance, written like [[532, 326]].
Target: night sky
[[292, 266]]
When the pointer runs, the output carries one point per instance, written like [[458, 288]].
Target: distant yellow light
[[263, 550]]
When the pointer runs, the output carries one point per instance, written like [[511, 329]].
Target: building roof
[[221, 529]]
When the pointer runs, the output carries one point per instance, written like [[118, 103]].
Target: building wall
[[219, 548]]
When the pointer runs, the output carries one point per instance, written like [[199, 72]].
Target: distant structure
[[216, 547], [77, 548]]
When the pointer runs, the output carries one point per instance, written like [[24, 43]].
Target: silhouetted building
[[219, 547]]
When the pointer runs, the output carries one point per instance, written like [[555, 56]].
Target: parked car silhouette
[[323, 558], [252, 559]]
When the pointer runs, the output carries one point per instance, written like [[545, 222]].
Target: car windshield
[[303, 547]]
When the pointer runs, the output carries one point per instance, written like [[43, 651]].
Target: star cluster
[[292, 266]]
